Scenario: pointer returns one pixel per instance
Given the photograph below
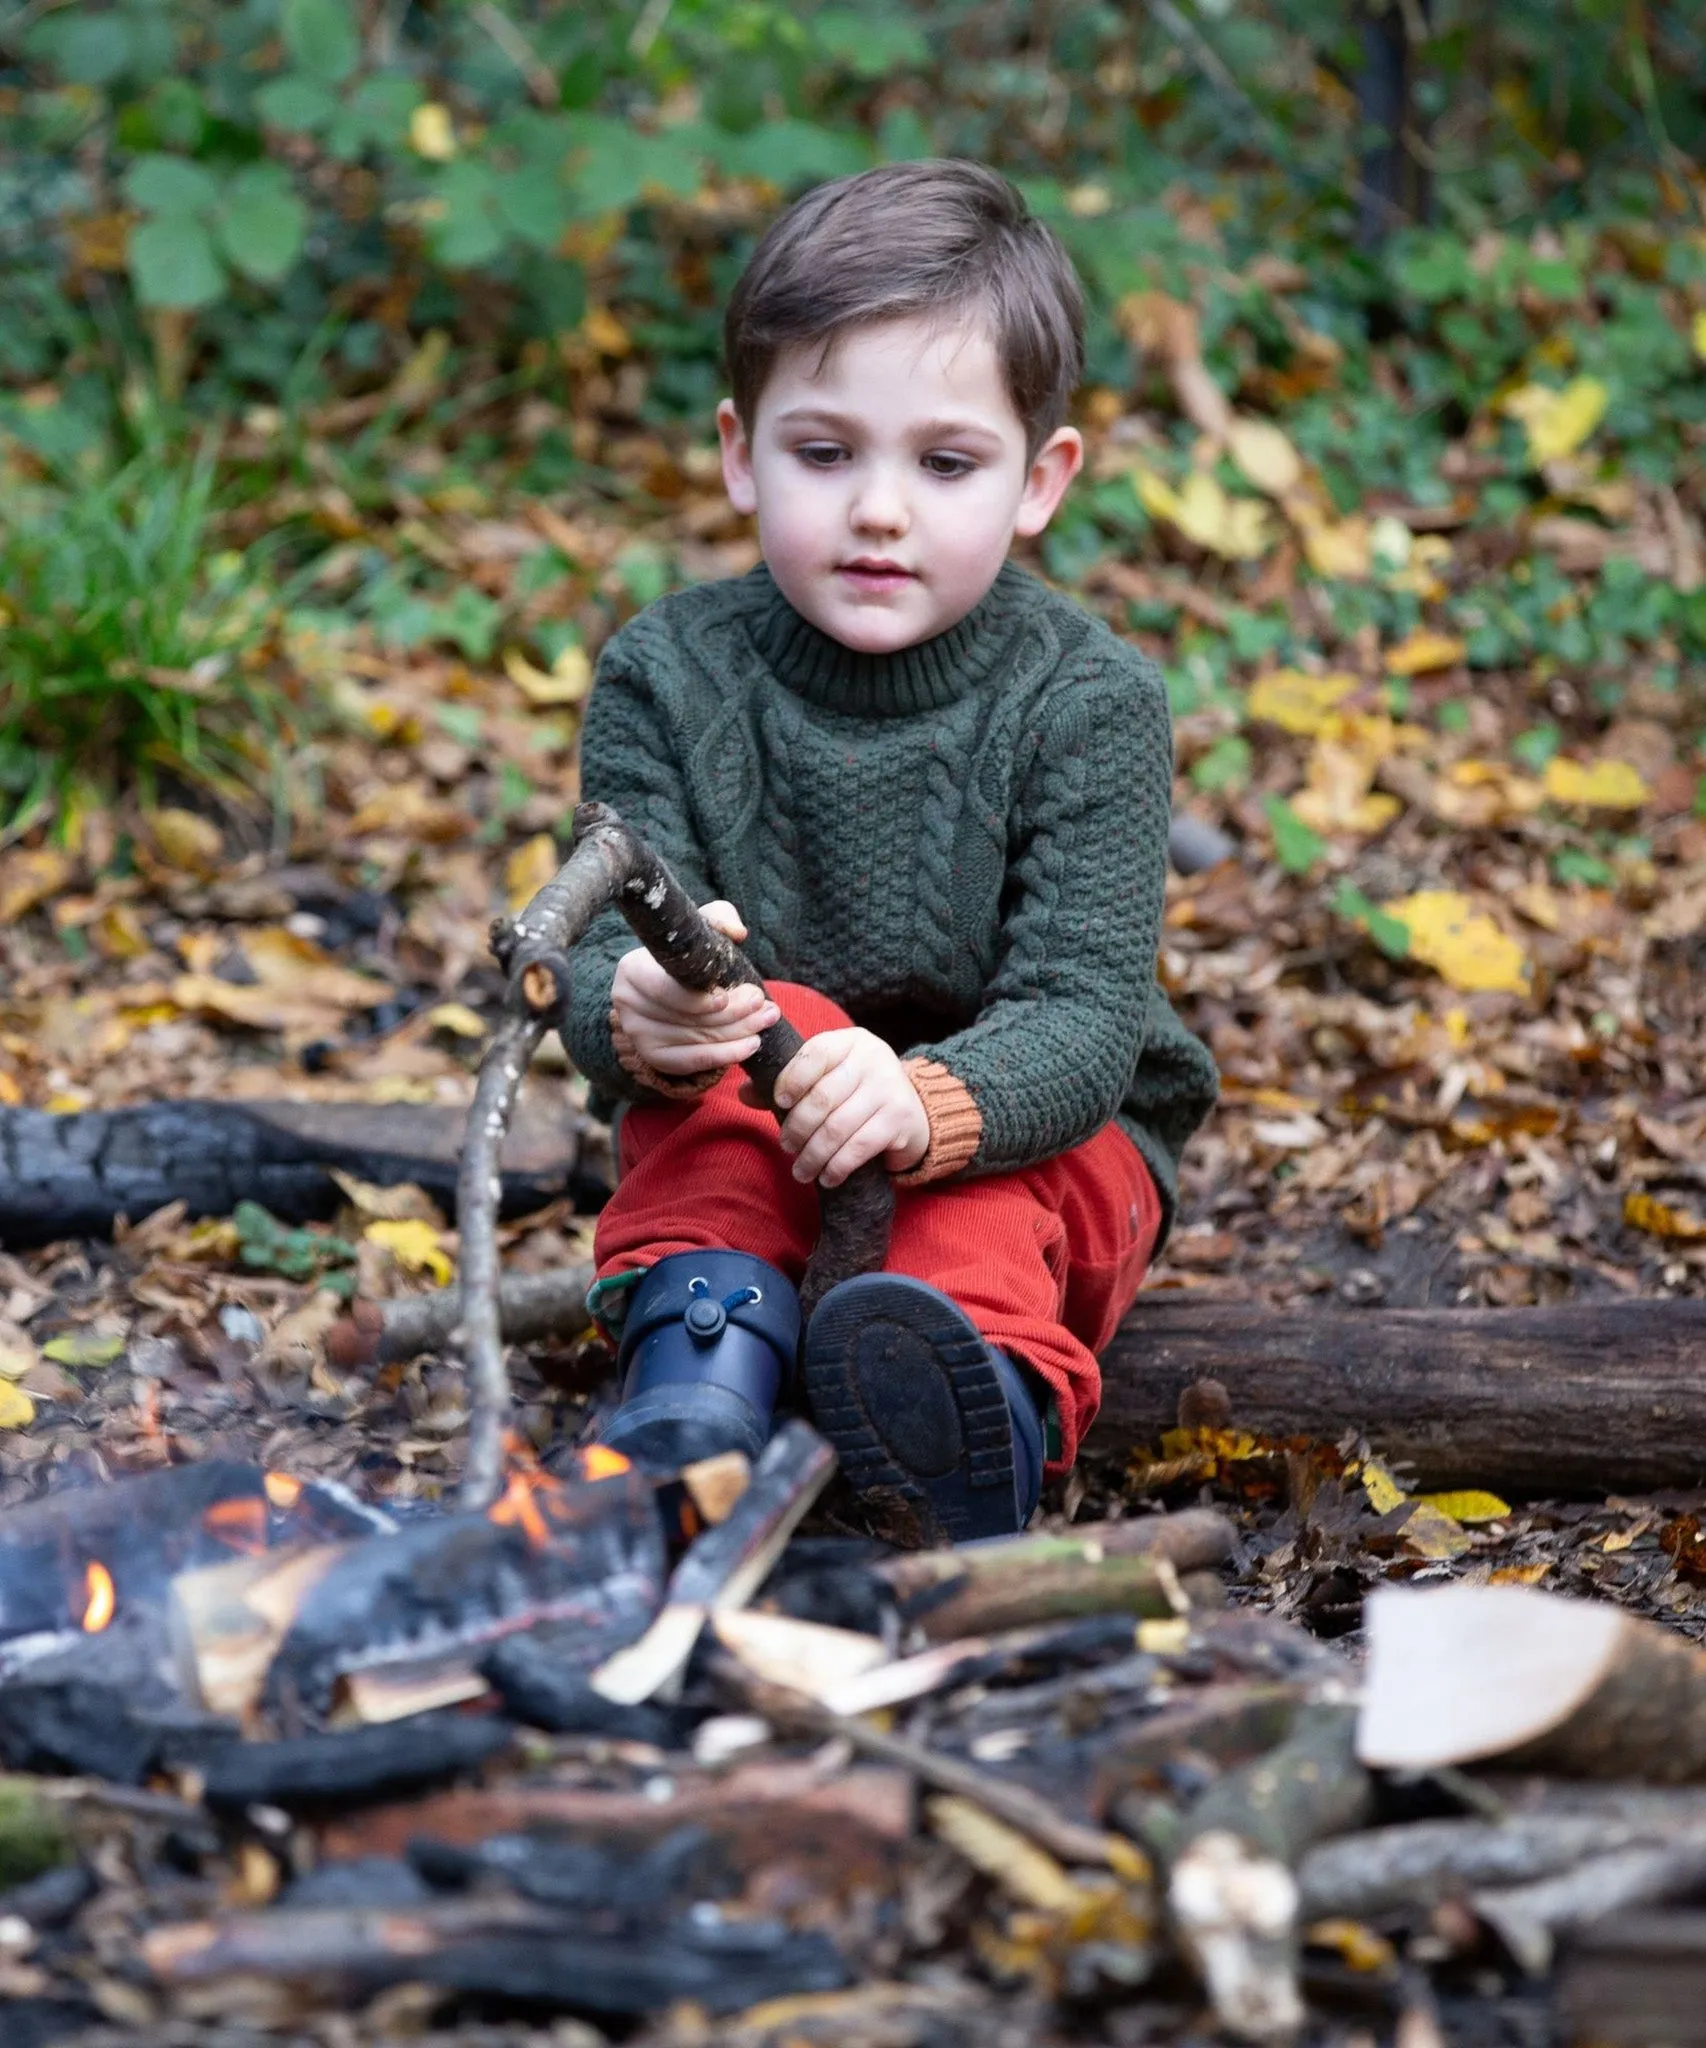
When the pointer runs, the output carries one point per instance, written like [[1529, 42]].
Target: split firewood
[[1231, 1888], [975, 1660], [1582, 1398], [1123, 1567], [611, 866], [1457, 1673], [725, 1566]]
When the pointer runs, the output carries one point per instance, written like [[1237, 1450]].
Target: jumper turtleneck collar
[[924, 677]]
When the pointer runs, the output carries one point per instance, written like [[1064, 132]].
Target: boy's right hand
[[681, 1031]]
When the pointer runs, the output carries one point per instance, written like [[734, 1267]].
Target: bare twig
[[610, 865]]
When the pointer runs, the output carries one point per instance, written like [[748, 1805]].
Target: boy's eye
[[820, 454], [943, 465]]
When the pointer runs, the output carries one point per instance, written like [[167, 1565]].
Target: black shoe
[[707, 1346], [919, 1406]]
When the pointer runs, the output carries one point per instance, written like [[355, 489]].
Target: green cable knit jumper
[[963, 844]]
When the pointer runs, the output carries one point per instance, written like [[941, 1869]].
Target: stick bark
[[610, 864]]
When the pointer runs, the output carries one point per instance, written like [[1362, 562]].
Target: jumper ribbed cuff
[[956, 1122], [674, 1087]]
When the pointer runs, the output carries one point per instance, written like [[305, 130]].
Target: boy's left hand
[[848, 1100]]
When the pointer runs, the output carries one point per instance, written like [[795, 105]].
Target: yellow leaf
[[528, 869], [605, 332], [414, 1244], [186, 841], [1339, 797], [1298, 702], [1265, 456], [1384, 1492], [1518, 1574], [458, 1019], [1699, 332], [11, 1095], [1470, 1504], [1338, 547], [1606, 786], [84, 1347], [17, 1410], [1429, 1534], [1557, 422], [567, 681], [1086, 202], [432, 133], [1358, 1947], [1462, 945], [1423, 651], [118, 933], [28, 876], [1660, 1219], [1237, 529]]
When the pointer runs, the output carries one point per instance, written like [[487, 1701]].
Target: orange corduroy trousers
[[1045, 1261]]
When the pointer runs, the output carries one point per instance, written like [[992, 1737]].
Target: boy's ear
[[737, 459], [1053, 467]]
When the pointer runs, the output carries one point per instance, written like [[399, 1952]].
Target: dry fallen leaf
[[17, 1410], [1605, 786], [1237, 529], [1265, 456], [1298, 702], [1462, 945], [186, 841], [28, 876], [1468, 1504], [415, 1245], [1557, 422], [567, 681], [1420, 652], [1660, 1219], [528, 869], [1431, 1534]]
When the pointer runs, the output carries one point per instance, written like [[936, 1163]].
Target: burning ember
[[100, 1598]]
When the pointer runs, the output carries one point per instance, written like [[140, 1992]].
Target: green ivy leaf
[[85, 49], [1226, 765], [172, 263], [264, 224], [1296, 846], [533, 206], [468, 234], [297, 105], [170, 184], [322, 38], [1389, 933]]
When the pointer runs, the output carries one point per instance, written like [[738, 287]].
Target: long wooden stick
[[610, 865]]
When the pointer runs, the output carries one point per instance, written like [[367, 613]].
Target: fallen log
[[74, 1176], [1582, 1398], [1638, 1979]]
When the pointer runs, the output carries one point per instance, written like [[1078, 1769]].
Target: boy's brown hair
[[936, 237]]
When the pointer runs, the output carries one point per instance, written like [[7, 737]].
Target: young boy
[[939, 795]]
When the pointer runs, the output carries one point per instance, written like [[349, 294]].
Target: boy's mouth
[[875, 572]]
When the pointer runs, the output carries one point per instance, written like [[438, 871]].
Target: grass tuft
[[129, 644]]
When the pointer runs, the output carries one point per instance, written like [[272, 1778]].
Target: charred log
[[74, 1176], [354, 1764]]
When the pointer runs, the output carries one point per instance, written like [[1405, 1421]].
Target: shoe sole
[[901, 1383]]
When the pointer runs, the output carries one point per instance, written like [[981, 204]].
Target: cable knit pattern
[[964, 844]]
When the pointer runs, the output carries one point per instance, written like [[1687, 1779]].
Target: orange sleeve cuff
[[674, 1087], [956, 1123]]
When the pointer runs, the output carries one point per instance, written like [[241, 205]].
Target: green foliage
[[125, 634], [273, 1247]]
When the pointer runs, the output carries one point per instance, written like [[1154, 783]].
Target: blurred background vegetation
[[295, 294]]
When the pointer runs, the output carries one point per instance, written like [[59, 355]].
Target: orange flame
[[282, 1490], [519, 1509], [241, 1523], [99, 1597], [598, 1461]]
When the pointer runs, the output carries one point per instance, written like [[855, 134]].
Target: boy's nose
[[879, 507]]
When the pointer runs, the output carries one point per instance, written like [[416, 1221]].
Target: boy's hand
[[682, 1031], [848, 1100]]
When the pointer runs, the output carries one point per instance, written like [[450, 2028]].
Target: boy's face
[[889, 478]]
